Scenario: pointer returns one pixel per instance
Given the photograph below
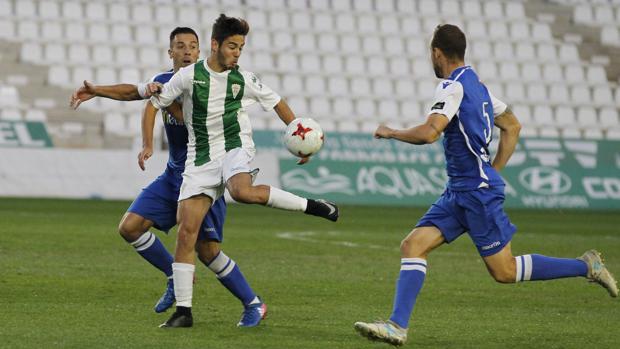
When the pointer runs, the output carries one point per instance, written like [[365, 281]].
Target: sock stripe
[[519, 269], [150, 239], [219, 262], [421, 268], [527, 270], [227, 270], [413, 260]]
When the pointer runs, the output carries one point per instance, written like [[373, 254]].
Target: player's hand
[[303, 160], [153, 89], [82, 94], [383, 132], [144, 155]]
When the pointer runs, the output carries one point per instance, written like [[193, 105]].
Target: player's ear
[[170, 53], [214, 45]]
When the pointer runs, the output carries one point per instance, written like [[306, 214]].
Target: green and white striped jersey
[[214, 108]]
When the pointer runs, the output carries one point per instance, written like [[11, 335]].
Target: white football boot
[[382, 331], [597, 272]]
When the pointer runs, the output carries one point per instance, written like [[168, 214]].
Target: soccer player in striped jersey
[[157, 205], [465, 111], [215, 93]]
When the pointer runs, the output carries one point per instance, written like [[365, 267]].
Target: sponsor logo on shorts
[[488, 247]]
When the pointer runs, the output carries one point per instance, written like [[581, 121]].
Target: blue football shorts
[[158, 203], [479, 212]]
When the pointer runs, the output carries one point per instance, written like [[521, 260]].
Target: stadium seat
[[493, 10], [409, 110], [388, 109], [31, 52], [35, 115], [365, 108], [428, 7], [96, 11], [121, 12], [608, 117], [515, 10], [343, 107], [586, 116], [503, 50], [323, 22], [596, 74], [278, 20], [602, 96], [553, 73], [570, 132], [361, 6], [450, 8], [98, 33], [398, 66], [328, 42], [613, 134], [292, 84], [188, 15], [81, 73], [525, 51], [405, 88], [531, 72], [384, 6], [426, 89], [388, 26], [515, 91], [548, 132], [406, 7], [320, 107], [49, 10], [537, 92], [79, 54], [367, 24], [55, 53], [141, 13], [282, 41], [541, 32], [345, 23], [114, 123], [410, 25], [509, 71], [574, 74], [603, 14], [146, 35], [6, 8], [301, 21], [310, 63], [520, 30], [355, 65], [558, 94], [547, 52], [102, 54], [568, 53], [10, 114], [314, 85], [580, 95], [58, 75], [372, 45], [28, 30], [594, 134], [543, 115], [297, 4], [565, 116], [338, 86], [130, 76], [610, 35], [299, 105], [165, 15], [583, 14], [360, 87], [25, 9]]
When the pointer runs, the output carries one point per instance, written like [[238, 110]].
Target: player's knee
[[413, 246], [128, 231], [244, 195], [207, 250]]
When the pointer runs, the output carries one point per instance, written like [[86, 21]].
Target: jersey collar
[[458, 71]]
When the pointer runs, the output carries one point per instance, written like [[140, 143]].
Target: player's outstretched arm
[[148, 123], [509, 127], [121, 92], [426, 133]]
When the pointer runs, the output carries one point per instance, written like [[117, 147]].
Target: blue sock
[[231, 277], [532, 267], [409, 284], [150, 248]]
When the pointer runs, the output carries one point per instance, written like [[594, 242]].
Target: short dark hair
[[182, 30], [450, 40], [225, 27]]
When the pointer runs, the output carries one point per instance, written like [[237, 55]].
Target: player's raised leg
[[414, 250], [241, 189], [230, 276], [191, 214], [532, 267], [134, 228]]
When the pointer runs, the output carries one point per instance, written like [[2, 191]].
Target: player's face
[[436, 56], [229, 51], [184, 50]]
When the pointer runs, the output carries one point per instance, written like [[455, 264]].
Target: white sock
[[284, 200], [183, 276]]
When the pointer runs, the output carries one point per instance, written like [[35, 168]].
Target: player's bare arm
[[120, 92], [509, 127], [148, 123], [427, 133]]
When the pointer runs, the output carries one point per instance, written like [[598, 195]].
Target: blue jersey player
[[156, 206], [465, 111]]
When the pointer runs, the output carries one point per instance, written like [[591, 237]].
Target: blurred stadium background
[[350, 64]]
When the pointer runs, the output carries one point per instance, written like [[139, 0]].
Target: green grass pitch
[[67, 280]]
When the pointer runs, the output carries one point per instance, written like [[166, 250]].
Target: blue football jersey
[[175, 132], [471, 109]]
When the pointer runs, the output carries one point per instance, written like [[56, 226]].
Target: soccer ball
[[303, 137]]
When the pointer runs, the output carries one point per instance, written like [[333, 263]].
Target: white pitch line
[[306, 236]]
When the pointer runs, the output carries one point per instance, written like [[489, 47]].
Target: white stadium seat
[[25, 9], [580, 95], [49, 10], [367, 24], [552, 73], [96, 11], [586, 116], [345, 23], [543, 115], [292, 84], [310, 63], [360, 87], [565, 116], [558, 94], [323, 22], [602, 96], [120, 11], [608, 117]]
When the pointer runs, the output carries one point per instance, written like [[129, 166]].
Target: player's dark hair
[[450, 40], [182, 30], [225, 27]]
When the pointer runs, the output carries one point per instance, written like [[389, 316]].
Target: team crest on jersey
[[446, 84], [235, 90]]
